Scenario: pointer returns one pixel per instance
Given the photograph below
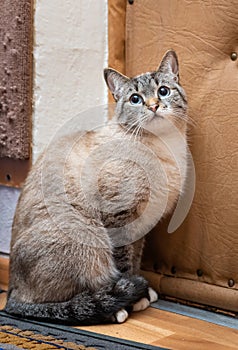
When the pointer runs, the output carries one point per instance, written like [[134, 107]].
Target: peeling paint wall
[[70, 53]]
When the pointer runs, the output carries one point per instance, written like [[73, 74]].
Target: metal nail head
[[233, 56]]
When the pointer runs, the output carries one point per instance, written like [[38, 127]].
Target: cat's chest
[[120, 172], [170, 150]]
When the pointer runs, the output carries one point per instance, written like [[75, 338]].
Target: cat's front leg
[[128, 261], [123, 257], [128, 258], [142, 304], [138, 247]]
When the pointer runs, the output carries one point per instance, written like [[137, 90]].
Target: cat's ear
[[114, 80], [169, 64]]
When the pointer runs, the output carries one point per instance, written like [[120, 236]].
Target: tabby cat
[[69, 262]]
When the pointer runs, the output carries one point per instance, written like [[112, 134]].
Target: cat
[[68, 260]]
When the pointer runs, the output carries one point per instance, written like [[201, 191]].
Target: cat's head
[[151, 96]]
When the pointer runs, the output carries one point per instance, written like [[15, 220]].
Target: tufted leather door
[[198, 262]]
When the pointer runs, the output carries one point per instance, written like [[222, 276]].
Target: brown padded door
[[198, 262]]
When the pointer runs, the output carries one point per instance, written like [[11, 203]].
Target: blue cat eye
[[164, 91], [136, 99]]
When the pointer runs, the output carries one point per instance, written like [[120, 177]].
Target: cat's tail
[[105, 306]]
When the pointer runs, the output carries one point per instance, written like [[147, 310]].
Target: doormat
[[20, 334]]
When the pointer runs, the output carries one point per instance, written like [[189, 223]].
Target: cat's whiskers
[[140, 128], [132, 126], [137, 132], [128, 130], [189, 120], [142, 122], [136, 128]]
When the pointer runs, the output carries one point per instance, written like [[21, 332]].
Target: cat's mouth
[[152, 117], [155, 114]]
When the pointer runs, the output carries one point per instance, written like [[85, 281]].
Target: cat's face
[[150, 96]]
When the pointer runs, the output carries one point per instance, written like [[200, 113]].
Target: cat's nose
[[152, 104], [153, 107]]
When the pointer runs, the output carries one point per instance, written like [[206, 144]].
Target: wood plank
[[116, 36], [14, 171], [162, 328], [3, 297], [4, 272]]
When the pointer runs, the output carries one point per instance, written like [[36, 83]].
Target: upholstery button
[[156, 266], [199, 273], [233, 56], [173, 270], [231, 283]]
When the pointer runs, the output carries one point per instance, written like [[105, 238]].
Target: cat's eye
[[164, 91], [136, 99]]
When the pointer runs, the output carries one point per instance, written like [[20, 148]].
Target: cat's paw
[[132, 288], [121, 316], [142, 304], [153, 295]]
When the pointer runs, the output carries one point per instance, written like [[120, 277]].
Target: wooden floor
[[158, 327], [169, 330]]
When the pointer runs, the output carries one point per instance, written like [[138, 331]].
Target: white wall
[[70, 52], [8, 201]]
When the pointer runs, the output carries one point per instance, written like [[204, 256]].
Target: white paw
[[153, 295], [121, 315], [142, 304]]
